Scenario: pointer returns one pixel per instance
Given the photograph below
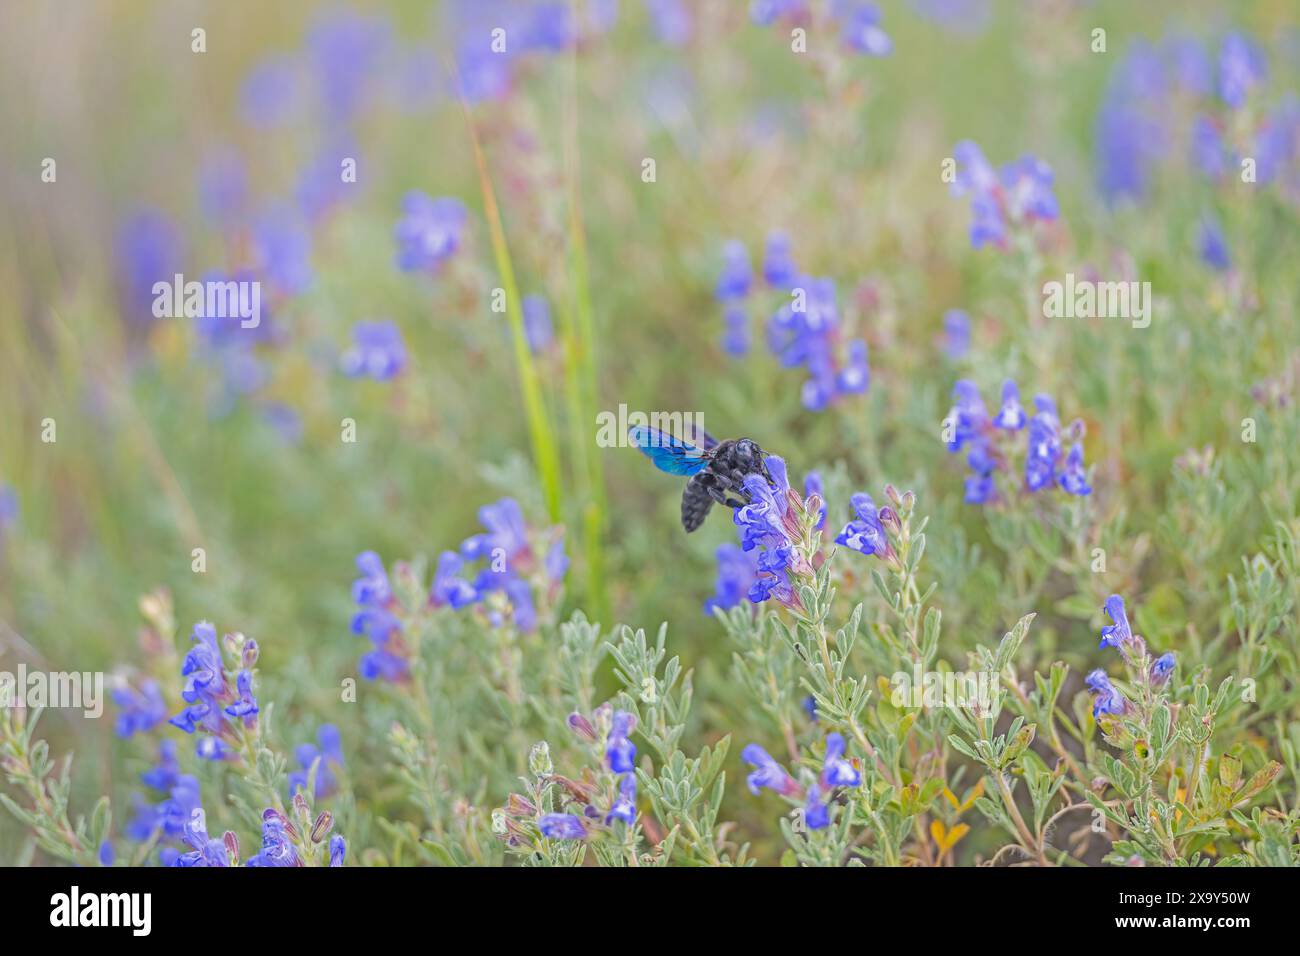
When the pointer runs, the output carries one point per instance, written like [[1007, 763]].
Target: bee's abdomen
[[695, 505]]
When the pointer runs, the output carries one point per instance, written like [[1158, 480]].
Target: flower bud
[[581, 726], [232, 846], [324, 824], [539, 759]]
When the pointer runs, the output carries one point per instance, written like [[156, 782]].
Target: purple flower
[[346, 49], [735, 340], [1209, 154], [767, 772], [737, 572], [338, 850], [374, 597], [816, 812], [270, 94], [624, 807], [1118, 632], [779, 270], [205, 851], [1106, 697], [671, 20], [429, 231], [1241, 67], [283, 249], [277, 848], [449, 588], [734, 281], [562, 826], [968, 418], [1016, 196], [1044, 447], [537, 323], [1213, 247], [865, 535], [766, 12], [148, 249], [140, 710], [1073, 478], [377, 352], [836, 771], [860, 28], [330, 755], [956, 333], [1162, 667], [619, 751], [246, 705], [1011, 416]]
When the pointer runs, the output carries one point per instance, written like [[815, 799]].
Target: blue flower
[[205, 682], [979, 489], [766, 12], [205, 851], [956, 333], [737, 572], [330, 755], [562, 826], [538, 330], [836, 771], [624, 807], [734, 281], [1106, 697], [346, 49], [1213, 247], [141, 710], [767, 772], [429, 231], [1011, 416], [1241, 67], [283, 248], [968, 418], [1073, 477], [373, 595], [1209, 154], [377, 352], [1162, 667], [816, 812], [620, 752], [271, 92], [866, 534], [1118, 632], [735, 340], [449, 588], [1044, 449], [1016, 196], [338, 850], [246, 705], [762, 524], [148, 249], [277, 847], [671, 21], [860, 28], [779, 270]]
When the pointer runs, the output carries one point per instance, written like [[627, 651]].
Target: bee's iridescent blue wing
[[698, 436], [669, 453]]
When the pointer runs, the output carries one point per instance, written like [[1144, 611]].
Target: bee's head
[[751, 457]]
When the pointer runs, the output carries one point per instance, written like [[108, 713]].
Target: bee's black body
[[722, 479]]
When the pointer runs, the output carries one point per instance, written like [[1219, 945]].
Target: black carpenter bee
[[717, 469]]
